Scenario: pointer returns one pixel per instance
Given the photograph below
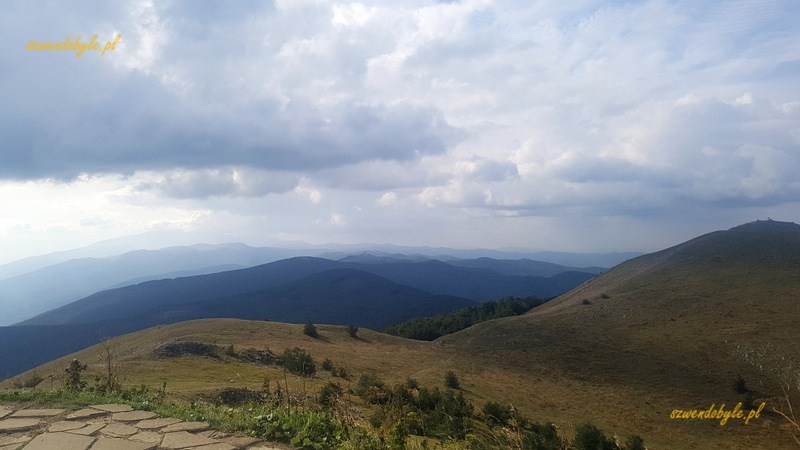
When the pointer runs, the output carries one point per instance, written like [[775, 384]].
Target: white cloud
[[387, 199], [448, 112]]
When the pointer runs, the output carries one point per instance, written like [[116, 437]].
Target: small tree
[[739, 385], [310, 330], [73, 380], [327, 364], [352, 330], [451, 380]]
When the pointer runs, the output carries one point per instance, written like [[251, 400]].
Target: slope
[[672, 329]]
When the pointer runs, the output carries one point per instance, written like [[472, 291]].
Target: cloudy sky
[[567, 125]]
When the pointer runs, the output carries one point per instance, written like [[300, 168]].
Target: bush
[[451, 380], [327, 365], [372, 389], [589, 437], [298, 362], [260, 357], [352, 330], [586, 301], [330, 394], [238, 396], [310, 330], [340, 372], [634, 442], [497, 413]]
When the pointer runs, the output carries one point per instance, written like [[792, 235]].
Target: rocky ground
[[110, 427]]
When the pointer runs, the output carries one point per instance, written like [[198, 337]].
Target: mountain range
[[666, 330], [383, 291], [35, 285]]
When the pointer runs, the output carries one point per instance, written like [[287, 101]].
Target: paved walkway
[[110, 427]]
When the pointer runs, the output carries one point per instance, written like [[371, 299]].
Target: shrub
[[330, 394], [327, 365], [238, 396], [586, 301], [260, 357], [340, 372], [589, 437], [298, 362], [352, 330], [310, 330], [372, 389], [451, 380], [230, 351], [541, 437], [497, 413]]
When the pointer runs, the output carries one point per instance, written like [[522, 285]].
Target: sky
[[562, 125]]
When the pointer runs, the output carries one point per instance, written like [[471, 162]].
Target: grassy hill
[[669, 330], [672, 329]]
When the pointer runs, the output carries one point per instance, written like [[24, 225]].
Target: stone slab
[[186, 426], [118, 430], [183, 439], [4, 412], [151, 437], [9, 425], [154, 424], [133, 416], [14, 440], [107, 443], [112, 407], [86, 413], [65, 425], [37, 412], [88, 430], [11, 446], [60, 441]]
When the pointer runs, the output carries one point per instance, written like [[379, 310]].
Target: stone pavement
[[110, 427]]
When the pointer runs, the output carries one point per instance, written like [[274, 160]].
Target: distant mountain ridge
[[23, 296], [296, 290], [432, 276]]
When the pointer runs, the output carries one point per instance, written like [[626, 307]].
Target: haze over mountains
[[34, 285], [366, 289]]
